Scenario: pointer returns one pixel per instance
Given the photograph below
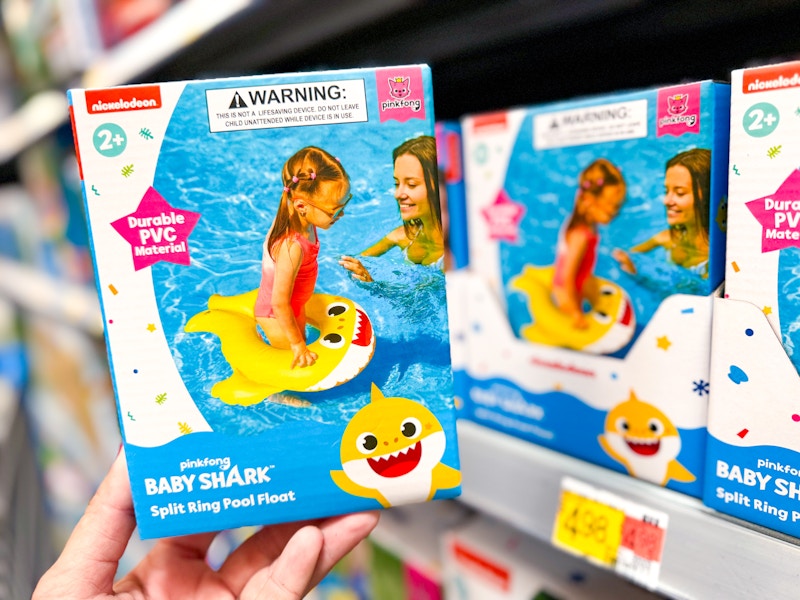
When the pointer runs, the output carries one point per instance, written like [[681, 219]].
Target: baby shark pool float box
[[345, 346], [610, 319]]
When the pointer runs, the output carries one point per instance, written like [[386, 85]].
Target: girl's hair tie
[[295, 179], [313, 175], [285, 189]]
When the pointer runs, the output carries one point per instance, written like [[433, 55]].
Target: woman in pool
[[687, 184], [416, 189]]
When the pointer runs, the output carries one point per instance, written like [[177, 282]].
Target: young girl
[[598, 200], [687, 185], [416, 189], [315, 193]]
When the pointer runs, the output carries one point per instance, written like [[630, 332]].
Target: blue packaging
[[182, 183]]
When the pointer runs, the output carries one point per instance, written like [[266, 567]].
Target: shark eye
[[332, 340], [601, 317], [655, 426], [366, 443], [607, 291], [622, 424], [411, 427], [336, 308]]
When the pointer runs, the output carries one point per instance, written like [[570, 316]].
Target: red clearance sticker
[[142, 97]]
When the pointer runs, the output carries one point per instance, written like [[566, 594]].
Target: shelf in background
[[706, 555], [68, 303]]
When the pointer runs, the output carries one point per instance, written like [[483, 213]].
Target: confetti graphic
[[734, 266], [161, 398], [663, 342], [184, 428], [130, 416], [127, 170], [736, 170], [112, 289], [743, 433], [737, 375], [146, 133], [700, 387], [774, 151], [796, 418], [94, 189]]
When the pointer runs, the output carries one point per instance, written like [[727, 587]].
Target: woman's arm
[[382, 246]]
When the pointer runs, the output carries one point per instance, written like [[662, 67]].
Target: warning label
[[589, 125], [287, 105]]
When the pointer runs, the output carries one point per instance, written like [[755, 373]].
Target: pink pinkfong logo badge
[[401, 94], [679, 110]]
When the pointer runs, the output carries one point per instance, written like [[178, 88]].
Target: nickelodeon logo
[[123, 99]]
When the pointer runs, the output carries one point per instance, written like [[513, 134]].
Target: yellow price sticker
[[589, 528]]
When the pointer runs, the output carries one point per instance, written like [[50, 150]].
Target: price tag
[[588, 528], [610, 531]]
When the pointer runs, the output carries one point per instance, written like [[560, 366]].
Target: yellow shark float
[[344, 347], [645, 441], [391, 451], [610, 321]]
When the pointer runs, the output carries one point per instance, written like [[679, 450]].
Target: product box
[[753, 469], [596, 233], [485, 559], [232, 411], [452, 192]]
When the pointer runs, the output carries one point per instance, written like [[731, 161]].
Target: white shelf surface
[[706, 554]]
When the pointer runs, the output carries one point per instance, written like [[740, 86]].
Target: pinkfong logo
[[401, 93], [678, 110]]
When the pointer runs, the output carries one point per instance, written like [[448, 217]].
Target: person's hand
[[279, 562], [355, 267], [303, 357], [624, 260]]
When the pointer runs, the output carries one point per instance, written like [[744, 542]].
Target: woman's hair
[[302, 174], [698, 162], [423, 148]]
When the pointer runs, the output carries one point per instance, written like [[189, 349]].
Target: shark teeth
[[362, 334], [397, 463], [644, 446]]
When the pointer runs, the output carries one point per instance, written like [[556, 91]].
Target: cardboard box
[[753, 467], [590, 312], [182, 182]]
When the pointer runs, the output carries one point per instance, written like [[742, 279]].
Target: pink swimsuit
[[303, 284]]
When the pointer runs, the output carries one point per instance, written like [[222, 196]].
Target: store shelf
[[706, 555], [37, 292]]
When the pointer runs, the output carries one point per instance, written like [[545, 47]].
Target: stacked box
[[596, 231], [182, 182], [753, 469]]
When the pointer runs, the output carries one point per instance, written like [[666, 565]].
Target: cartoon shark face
[[346, 341], [612, 311], [392, 445], [643, 438]]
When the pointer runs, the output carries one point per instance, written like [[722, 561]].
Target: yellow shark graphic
[[611, 320], [391, 451], [645, 441], [344, 347]]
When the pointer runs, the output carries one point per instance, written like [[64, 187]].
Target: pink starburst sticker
[[157, 231], [779, 215], [503, 218]]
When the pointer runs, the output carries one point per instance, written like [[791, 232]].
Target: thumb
[[90, 558]]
